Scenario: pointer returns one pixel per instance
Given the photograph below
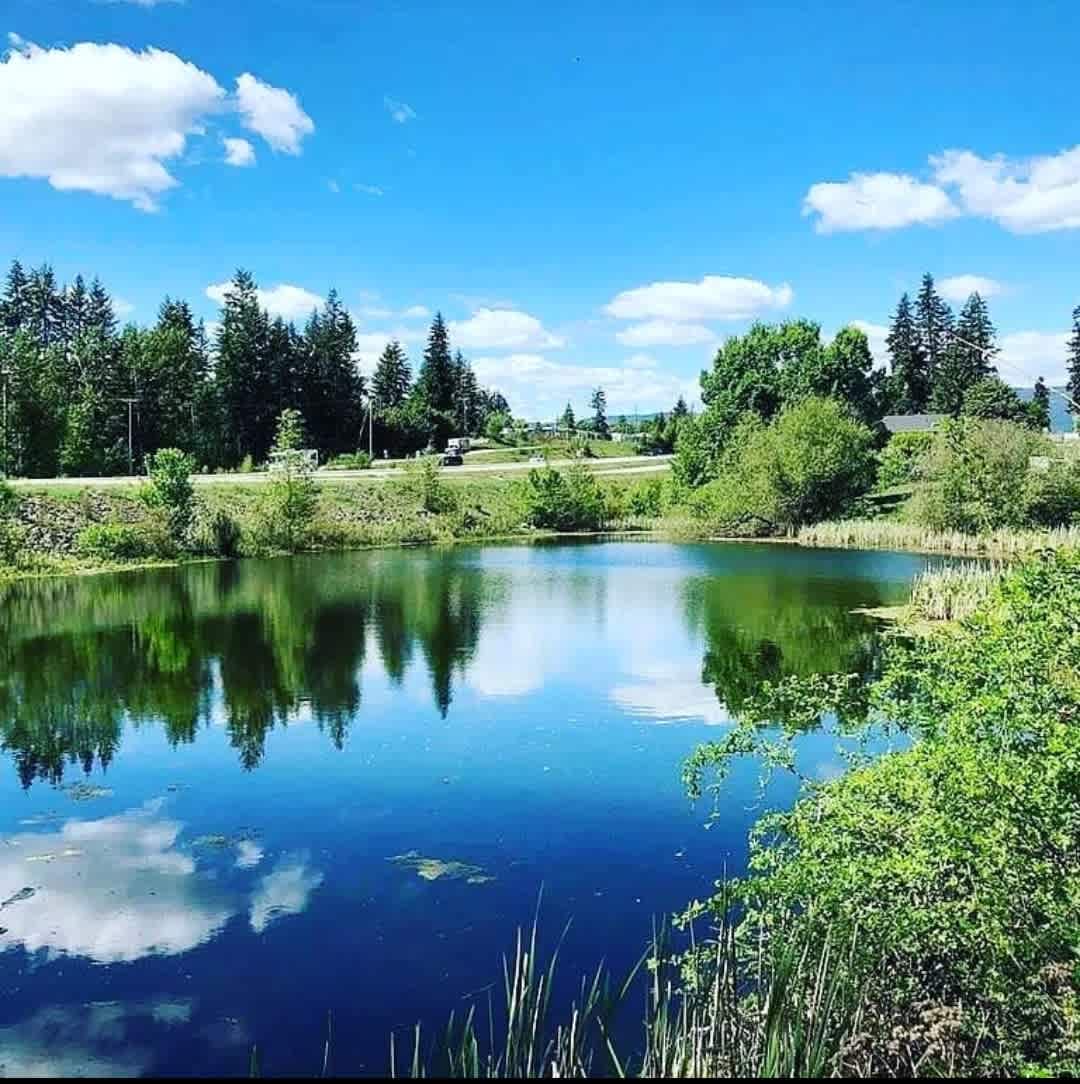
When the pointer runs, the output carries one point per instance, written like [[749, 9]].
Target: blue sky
[[591, 193]]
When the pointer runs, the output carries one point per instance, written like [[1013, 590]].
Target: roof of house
[[911, 423]]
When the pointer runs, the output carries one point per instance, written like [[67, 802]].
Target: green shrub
[[1052, 498], [353, 461], [424, 484], [216, 533], [117, 542], [979, 476], [900, 462], [646, 498], [809, 464], [292, 494], [563, 501], [946, 873], [170, 489]]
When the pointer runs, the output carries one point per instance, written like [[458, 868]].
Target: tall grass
[[888, 534], [713, 1011], [953, 591]]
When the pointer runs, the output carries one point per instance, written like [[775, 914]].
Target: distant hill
[[1060, 419]]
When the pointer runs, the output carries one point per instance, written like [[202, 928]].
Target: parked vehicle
[[452, 459]]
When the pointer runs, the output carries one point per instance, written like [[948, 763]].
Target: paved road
[[629, 464]]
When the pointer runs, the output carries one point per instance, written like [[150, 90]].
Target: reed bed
[[953, 592], [888, 534]]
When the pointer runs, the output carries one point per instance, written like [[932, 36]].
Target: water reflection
[[265, 639], [255, 645], [118, 888], [768, 624]]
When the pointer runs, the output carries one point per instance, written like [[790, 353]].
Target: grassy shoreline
[[843, 535]]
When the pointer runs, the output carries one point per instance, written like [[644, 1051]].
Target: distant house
[[912, 423]]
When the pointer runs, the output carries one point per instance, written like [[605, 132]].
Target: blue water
[[260, 739]]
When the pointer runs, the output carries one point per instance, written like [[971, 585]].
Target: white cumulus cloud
[[961, 287], [877, 201], [1037, 194], [287, 301], [715, 297], [100, 118], [1029, 195], [273, 113], [503, 329], [1027, 355], [538, 387], [113, 121], [239, 152], [664, 333]]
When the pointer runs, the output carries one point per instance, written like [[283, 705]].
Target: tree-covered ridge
[[71, 375]]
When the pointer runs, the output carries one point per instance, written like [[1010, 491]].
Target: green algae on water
[[434, 869]]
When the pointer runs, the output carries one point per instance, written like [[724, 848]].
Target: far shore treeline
[[70, 369], [77, 386]]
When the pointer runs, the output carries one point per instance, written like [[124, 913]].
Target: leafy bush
[[170, 489], [946, 873], [900, 462], [293, 493], [117, 542], [807, 465], [563, 501], [646, 498], [353, 461], [424, 483], [1052, 498], [979, 472], [216, 533]]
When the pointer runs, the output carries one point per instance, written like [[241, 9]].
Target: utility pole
[[4, 374], [371, 429], [131, 448]]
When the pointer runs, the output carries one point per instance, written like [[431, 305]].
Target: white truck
[[457, 445]]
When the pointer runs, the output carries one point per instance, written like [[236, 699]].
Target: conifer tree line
[[70, 373], [943, 362]]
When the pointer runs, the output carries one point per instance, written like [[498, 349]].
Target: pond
[[237, 797]]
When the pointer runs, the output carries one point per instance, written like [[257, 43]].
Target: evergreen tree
[[76, 309], [333, 387], [909, 382], [392, 379], [433, 395], [45, 309], [435, 383], [598, 402], [15, 306], [568, 421], [100, 313], [1039, 407], [680, 410], [1072, 366], [468, 411], [933, 322], [242, 372], [968, 358]]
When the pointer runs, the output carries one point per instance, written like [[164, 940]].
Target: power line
[[988, 352]]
